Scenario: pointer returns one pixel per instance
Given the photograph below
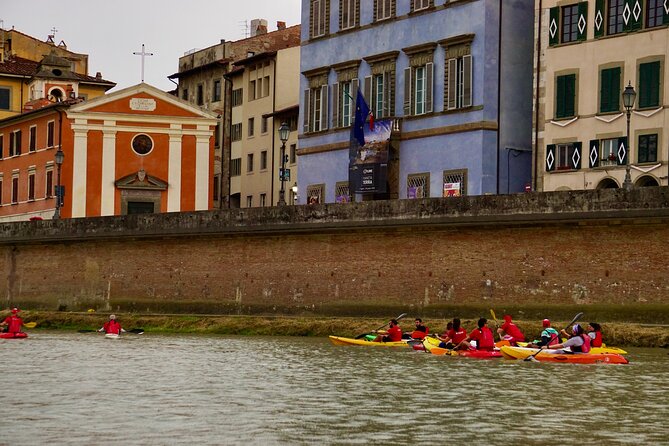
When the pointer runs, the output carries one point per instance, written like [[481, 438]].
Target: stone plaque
[[142, 104]]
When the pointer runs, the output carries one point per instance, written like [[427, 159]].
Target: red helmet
[[15, 310], [546, 323]]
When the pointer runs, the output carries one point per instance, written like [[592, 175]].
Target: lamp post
[[294, 189], [284, 131], [59, 158], [629, 96]]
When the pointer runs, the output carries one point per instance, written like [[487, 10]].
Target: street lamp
[[60, 157], [629, 96], [284, 131]]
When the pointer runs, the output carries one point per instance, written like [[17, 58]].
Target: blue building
[[454, 75]]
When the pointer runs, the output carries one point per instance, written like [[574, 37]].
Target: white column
[[79, 172], [174, 171], [202, 169], [108, 170]]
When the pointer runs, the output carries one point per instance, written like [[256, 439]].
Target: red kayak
[[482, 354], [19, 335]]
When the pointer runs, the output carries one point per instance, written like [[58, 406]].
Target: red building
[[137, 150]]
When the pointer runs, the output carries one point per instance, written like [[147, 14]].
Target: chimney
[[98, 76], [258, 27], [280, 25]]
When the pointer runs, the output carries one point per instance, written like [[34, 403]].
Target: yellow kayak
[[594, 350], [338, 340]]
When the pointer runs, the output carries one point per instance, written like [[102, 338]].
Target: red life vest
[[14, 324], [585, 348], [457, 337], [484, 339], [112, 327], [597, 342], [394, 334]]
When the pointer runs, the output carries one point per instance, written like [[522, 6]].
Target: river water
[[82, 389]]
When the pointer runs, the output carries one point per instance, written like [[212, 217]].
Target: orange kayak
[[555, 356]]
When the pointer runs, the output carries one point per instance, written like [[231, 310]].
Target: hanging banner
[[368, 163]]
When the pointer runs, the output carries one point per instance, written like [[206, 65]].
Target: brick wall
[[584, 247]]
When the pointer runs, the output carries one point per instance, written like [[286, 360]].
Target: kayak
[[338, 340], [594, 350], [432, 345], [19, 335], [112, 335], [556, 356]]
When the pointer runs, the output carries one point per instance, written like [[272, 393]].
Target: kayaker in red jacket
[[511, 331], [112, 326], [483, 336], [445, 338], [394, 333], [13, 322], [457, 334], [420, 331], [595, 332]]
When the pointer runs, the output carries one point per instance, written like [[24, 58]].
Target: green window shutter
[[560, 97], [551, 161], [554, 26], [582, 21], [665, 13], [566, 96], [615, 89], [610, 90], [575, 156], [593, 154], [636, 14], [604, 91], [649, 84], [600, 16], [621, 151]]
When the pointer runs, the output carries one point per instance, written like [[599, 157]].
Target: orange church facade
[[138, 150]]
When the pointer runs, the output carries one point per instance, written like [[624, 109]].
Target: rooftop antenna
[[53, 32], [143, 54], [244, 25]]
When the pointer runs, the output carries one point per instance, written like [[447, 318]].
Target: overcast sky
[[109, 32]]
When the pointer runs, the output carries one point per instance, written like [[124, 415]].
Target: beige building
[[202, 81], [265, 94], [589, 52]]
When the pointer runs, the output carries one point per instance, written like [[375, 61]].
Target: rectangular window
[[293, 153], [249, 163], [418, 185], [378, 92], [316, 193], [252, 90], [342, 192], [217, 135], [615, 16], [249, 201], [237, 97], [647, 148], [32, 140], [419, 86], [49, 184], [1, 190], [2, 146], [455, 183], [15, 190], [569, 23], [265, 87], [315, 102], [263, 160], [236, 132], [251, 128], [654, 13], [383, 9], [263, 125], [184, 94], [319, 17], [609, 90], [217, 182], [200, 95], [235, 167], [459, 74], [4, 99], [565, 96], [31, 186], [565, 153], [15, 143], [649, 84], [217, 91], [417, 5], [346, 101], [608, 150], [50, 133], [348, 14], [263, 200]]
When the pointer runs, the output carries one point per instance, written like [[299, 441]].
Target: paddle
[[492, 313], [138, 331], [30, 325], [577, 317], [365, 334]]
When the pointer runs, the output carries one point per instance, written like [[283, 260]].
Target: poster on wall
[[451, 189], [368, 162]]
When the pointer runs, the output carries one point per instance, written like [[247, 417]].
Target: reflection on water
[[82, 389]]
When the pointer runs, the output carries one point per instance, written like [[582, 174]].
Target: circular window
[[142, 144]]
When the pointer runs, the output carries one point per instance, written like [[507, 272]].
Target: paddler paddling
[[511, 331], [394, 333], [112, 326], [13, 322], [549, 336], [483, 336], [579, 342]]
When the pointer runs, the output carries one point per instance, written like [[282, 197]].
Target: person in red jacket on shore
[[112, 326], [394, 333], [13, 322], [483, 336], [511, 331]]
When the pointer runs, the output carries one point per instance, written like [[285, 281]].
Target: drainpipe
[[535, 152], [499, 91]]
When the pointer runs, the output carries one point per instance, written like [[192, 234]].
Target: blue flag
[[361, 113]]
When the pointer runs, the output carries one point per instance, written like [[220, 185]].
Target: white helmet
[[112, 316]]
